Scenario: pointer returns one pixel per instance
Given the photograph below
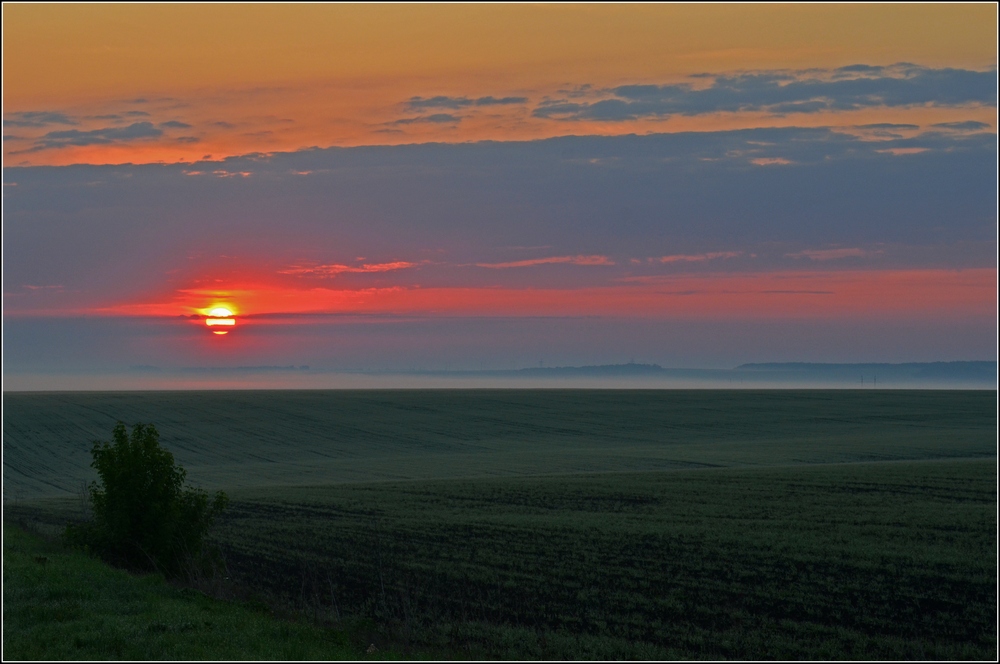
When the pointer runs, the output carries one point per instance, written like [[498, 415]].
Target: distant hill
[[975, 371], [977, 374], [630, 369]]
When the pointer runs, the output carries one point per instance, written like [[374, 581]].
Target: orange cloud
[[334, 269], [831, 254], [770, 161], [692, 258], [572, 260]]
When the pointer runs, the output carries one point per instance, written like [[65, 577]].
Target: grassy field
[[255, 438], [63, 605], [575, 524]]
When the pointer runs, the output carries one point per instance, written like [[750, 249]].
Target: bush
[[144, 515]]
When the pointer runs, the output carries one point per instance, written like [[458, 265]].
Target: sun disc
[[220, 317]]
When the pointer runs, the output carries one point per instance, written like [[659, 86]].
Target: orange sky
[[272, 78]]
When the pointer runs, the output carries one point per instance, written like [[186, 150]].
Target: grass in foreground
[[65, 605]]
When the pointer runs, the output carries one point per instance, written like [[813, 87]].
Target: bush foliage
[[145, 517]]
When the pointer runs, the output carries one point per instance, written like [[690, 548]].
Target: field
[[864, 561], [256, 438], [581, 524]]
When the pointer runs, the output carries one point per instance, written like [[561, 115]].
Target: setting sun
[[220, 317]]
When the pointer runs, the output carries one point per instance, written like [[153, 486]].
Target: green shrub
[[144, 515]]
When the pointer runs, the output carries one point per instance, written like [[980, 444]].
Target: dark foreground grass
[[891, 560], [65, 605]]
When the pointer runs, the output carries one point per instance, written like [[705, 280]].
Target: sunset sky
[[398, 187]]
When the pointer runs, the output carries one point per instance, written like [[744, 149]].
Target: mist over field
[[356, 352]]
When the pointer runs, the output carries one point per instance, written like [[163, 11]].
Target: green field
[[580, 524], [258, 438], [867, 561]]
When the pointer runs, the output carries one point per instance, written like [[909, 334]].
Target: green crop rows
[[883, 560]]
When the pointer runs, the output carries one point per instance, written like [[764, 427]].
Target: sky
[[425, 187]]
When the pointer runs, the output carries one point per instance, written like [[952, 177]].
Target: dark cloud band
[[105, 136], [810, 91]]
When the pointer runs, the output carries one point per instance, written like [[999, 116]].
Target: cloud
[[501, 101], [438, 118], [47, 287], [75, 137], [784, 92], [456, 103], [334, 269], [572, 260], [886, 130], [174, 124], [901, 151], [687, 193], [888, 125], [693, 258], [968, 125], [830, 254], [38, 119]]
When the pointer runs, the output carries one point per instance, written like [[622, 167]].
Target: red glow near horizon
[[703, 296]]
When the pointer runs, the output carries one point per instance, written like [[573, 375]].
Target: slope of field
[[889, 560], [276, 438]]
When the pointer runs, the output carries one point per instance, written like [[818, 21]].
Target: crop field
[[580, 524], [867, 561], [257, 438]]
